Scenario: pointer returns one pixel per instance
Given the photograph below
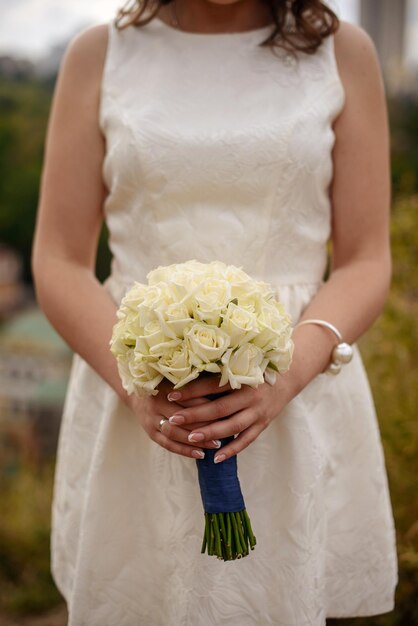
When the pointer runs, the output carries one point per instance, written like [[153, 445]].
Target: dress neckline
[[186, 34]]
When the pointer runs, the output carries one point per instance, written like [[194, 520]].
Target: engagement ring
[[162, 421]]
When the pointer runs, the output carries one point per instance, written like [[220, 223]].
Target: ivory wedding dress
[[219, 149]]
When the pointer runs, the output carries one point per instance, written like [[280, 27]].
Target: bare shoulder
[[355, 54], [85, 55]]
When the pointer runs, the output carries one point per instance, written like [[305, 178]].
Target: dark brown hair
[[298, 24]]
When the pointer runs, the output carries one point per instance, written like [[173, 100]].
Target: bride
[[190, 140]]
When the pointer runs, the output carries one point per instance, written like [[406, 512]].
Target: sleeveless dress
[[218, 149]]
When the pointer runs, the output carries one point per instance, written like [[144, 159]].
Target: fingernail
[[176, 419], [217, 443], [196, 437], [198, 454], [219, 458], [174, 395]]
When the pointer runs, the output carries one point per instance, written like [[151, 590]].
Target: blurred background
[[35, 362]]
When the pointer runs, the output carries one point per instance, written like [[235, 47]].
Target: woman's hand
[[151, 409], [248, 411]]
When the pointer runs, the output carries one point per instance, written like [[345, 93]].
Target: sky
[[30, 27]]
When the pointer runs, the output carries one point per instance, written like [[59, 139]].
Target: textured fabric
[[218, 149]]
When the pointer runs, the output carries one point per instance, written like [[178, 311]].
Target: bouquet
[[194, 318]]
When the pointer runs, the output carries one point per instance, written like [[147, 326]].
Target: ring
[[160, 425]]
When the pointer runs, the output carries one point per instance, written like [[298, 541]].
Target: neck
[[204, 16]]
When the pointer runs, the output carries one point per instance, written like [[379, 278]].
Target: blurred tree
[[24, 110], [403, 113]]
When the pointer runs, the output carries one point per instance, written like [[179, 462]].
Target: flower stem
[[228, 536], [226, 544], [251, 536], [241, 534], [218, 548], [238, 546]]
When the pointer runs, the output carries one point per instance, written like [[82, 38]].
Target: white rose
[[240, 324], [210, 299], [175, 319], [176, 366], [266, 291], [138, 375], [251, 300], [151, 335], [183, 286], [156, 297], [125, 335], [122, 339], [216, 269], [281, 359], [197, 267], [242, 366], [152, 340], [275, 327], [160, 274], [132, 298], [241, 283], [206, 343]]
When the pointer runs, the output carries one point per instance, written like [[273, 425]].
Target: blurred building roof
[[386, 22]]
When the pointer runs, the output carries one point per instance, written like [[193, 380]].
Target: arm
[[360, 197], [355, 293], [70, 215], [70, 210]]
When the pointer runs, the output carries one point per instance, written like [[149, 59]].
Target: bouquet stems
[[228, 536]]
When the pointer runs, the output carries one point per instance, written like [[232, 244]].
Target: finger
[[194, 426], [202, 386], [191, 402], [239, 444], [224, 428], [212, 410], [166, 387], [176, 433], [242, 441], [178, 448], [167, 408]]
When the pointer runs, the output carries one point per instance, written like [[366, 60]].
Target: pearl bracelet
[[341, 354]]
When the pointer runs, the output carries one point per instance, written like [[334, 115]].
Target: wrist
[[288, 385], [311, 356], [133, 402]]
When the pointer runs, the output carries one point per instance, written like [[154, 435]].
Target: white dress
[[219, 149]]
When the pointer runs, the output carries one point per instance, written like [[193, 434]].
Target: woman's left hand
[[248, 411]]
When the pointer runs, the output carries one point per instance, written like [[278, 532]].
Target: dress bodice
[[217, 149]]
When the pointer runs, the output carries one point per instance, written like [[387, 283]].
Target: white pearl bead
[[343, 353], [334, 368]]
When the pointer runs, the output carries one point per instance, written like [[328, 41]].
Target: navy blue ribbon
[[219, 483]]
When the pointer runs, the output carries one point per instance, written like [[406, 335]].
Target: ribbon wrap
[[219, 483]]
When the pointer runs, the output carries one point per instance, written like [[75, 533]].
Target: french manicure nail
[[216, 442], [176, 419], [196, 437], [219, 458], [198, 454], [173, 395]]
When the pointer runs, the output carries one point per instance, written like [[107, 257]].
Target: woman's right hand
[[151, 409]]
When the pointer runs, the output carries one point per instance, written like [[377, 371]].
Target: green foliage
[[26, 585], [24, 110], [389, 350], [403, 114]]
